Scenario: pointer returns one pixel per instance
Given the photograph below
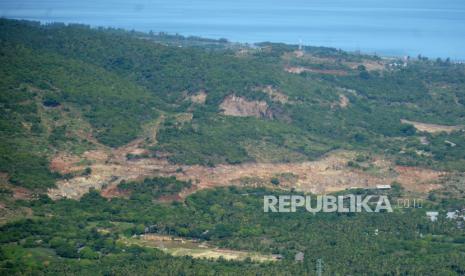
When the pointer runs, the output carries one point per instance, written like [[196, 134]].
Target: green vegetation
[[154, 187], [118, 81], [403, 242], [72, 88]]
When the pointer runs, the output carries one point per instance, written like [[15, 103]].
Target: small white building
[[433, 216], [453, 215]]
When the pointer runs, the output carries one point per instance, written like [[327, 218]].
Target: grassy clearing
[[196, 249]]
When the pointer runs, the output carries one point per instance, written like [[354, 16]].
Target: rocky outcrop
[[240, 107]]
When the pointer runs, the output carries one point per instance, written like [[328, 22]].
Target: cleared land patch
[[194, 248], [328, 174], [274, 94], [240, 107], [300, 69], [199, 97], [432, 128], [342, 103]]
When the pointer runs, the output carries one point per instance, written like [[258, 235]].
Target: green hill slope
[[71, 90], [120, 80]]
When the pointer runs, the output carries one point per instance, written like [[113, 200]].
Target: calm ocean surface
[[434, 28]]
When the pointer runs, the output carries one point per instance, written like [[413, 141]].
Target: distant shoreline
[[242, 43]]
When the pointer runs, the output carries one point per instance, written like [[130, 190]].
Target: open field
[[300, 69], [186, 247], [432, 128]]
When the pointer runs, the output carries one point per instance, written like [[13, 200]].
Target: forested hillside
[[118, 81], [68, 92]]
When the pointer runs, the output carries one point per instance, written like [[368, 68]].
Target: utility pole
[[319, 267]]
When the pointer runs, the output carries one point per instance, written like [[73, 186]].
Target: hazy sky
[[52, 9]]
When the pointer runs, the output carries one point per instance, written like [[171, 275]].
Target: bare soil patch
[[420, 180], [274, 94], [197, 249], [432, 128], [300, 69], [328, 174], [238, 106], [342, 103], [199, 97], [22, 193], [8, 214], [370, 65], [64, 163]]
